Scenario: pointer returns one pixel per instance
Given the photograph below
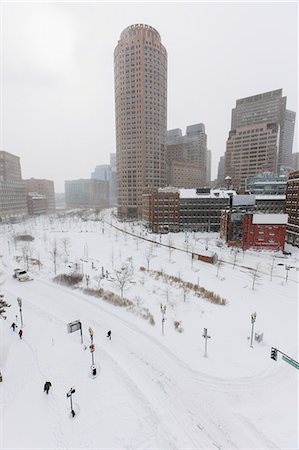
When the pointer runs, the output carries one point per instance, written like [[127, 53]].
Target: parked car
[[21, 275]]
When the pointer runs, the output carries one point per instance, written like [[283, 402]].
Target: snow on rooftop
[[214, 193], [270, 218], [270, 197]]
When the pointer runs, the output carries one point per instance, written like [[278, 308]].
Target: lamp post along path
[[253, 319]]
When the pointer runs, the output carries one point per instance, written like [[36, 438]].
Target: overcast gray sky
[[57, 74]]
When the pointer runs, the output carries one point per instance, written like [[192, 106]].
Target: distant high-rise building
[[287, 140], [221, 171], [295, 161], [186, 157], [86, 193], [209, 167], [13, 196], [269, 107], [102, 172], [251, 149], [43, 188], [140, 70]]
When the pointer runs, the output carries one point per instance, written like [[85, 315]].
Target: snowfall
[[157, 386]]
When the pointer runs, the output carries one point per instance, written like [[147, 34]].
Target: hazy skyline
[[57, 75]]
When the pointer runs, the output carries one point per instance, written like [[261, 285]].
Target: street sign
[[73, 326], [291, 361]]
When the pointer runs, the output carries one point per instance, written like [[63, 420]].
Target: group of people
[[14, 326]]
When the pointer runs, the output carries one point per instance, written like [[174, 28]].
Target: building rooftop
[[214, 193]]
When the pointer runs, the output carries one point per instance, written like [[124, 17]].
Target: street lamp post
[[69, 395], [206, 337], [253, 319], [20, 307], [92, 348], [287, 268], [163, 312]]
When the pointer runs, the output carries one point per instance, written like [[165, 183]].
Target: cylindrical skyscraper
[[140, 71]]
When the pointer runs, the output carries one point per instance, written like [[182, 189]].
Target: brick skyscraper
[[140, 71]]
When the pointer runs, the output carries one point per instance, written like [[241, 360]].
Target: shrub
[[24, 237], [199, 290], [68, 279], [178, 326]]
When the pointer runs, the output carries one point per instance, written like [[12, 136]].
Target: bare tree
[[254, 274], [149, 255], [272, 268], [170, 246], [99, 278], [234, 257], [123, 277], [219, 264], [54, 254], [186, 242], [66, 248]]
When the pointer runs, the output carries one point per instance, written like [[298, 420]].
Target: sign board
[[291, 361], [73, 326]]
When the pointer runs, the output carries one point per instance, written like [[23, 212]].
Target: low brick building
[[253, 230], [37, 204], [161, 210]]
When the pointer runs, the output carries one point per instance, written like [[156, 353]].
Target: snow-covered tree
[[123, 276], [54, 254]]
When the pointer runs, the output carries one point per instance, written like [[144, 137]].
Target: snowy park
[[188, 364]]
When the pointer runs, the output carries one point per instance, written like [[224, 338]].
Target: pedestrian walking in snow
[[21, 334], [13, 326], [109, 335], [47, 387]]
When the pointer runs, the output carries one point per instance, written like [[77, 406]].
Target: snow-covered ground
[[152, 390]]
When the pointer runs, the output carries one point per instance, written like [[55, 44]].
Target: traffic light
[[205, 332], [274, 353]]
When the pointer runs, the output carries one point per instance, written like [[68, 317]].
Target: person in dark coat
[[21, 333], [47, 387], [13, 326], [109, 335]]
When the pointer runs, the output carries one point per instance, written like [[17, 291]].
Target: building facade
[[161, 210], [44, 188], [253, 230], [266, 183], [251, 149], [140, 73], [37, 204], [13, 196], [187, 158], [200, 209], [292, 208], [86, 193], [268, 107]]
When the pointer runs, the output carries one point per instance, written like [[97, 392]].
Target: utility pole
[[20, 307], [206, 337], [253, 319]]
